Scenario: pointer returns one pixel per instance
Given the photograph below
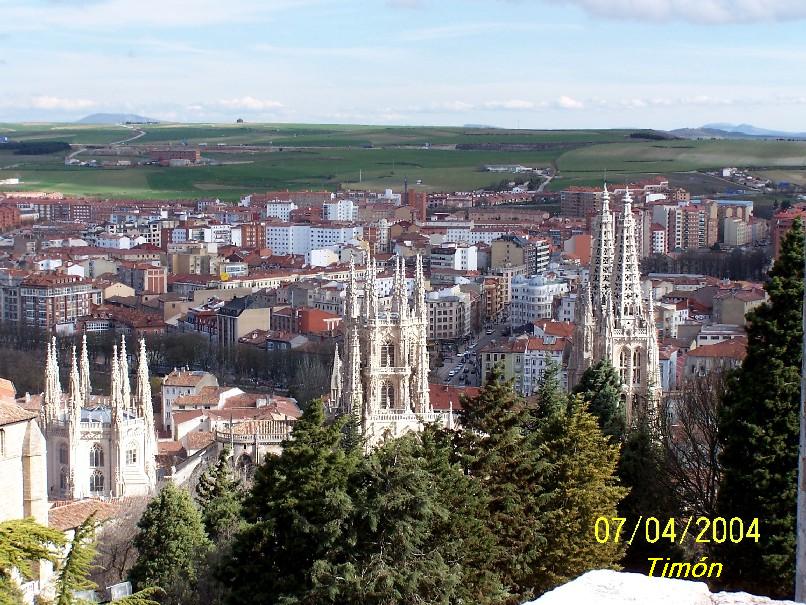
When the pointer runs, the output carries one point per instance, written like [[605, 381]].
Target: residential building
[[533, 298], [56, 301], [449, 314]]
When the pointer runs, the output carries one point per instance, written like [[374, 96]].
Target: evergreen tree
[[395, 558], [22, 542], [547, 474], [580, 488], [299, 514], [218, 494], [759, 433], [600, 386], [171, 545], [642, 470], [77, 563]]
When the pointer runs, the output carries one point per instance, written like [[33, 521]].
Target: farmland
[[243, 158]]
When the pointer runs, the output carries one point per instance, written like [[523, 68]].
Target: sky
[[507, 63]]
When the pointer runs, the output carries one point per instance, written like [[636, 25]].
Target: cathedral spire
[[335, 379], [420, 310], [602, 255], [146, 411], [626, 279], [114, 388], [125, 385], [84, 371], [351, 295], [400, 298], [370, 290], [52, 396], [76, 396]]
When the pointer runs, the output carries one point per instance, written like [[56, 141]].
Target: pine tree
[[171, 545], [22, 542], [299, 514], [218, 494], [759, 432], [581, 487], [549, 397], [600, 386], [397, 508], [77, 564]]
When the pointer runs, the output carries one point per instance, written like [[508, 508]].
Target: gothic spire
[[335, 379], [400, 299], [351, 295], [76, 396], [602, 255], [144, 407], [52, 396], [125, 385], [84, 371], [420, 310], [114, 389], [370, 290], [626, 279]]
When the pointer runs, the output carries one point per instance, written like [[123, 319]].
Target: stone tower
[[613, 321], [383, 377]]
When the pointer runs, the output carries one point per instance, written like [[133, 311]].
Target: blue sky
[[509, 63]]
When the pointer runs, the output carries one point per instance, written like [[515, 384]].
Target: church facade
[[613, 320], [99, 446], [382, 377]]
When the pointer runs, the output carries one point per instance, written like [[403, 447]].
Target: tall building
[[99, 446], [383, 376], [613, 321]]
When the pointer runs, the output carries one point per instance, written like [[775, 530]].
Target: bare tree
[[690, 427], [116, 552]]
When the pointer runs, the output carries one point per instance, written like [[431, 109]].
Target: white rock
[[606, 587]]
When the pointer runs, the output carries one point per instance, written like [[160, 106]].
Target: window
[[623, 360], [64, 455], [131, 454], [387, 395], [96, 455], [97, 481], [63, 479], [387, 354], [2, 442], [636, 366]]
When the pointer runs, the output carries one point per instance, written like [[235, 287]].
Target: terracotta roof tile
[[11, 413], [71, 515]]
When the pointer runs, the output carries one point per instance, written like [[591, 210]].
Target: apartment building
[[55, 301], [449, 314], [533, 298]]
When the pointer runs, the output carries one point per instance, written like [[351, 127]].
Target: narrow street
[[466, 361]]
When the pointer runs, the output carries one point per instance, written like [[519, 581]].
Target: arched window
[[64, 454], [387, 395], [97, 481], [623, 361], [387, 354], [636, 366], [96, 455], [63, 479]]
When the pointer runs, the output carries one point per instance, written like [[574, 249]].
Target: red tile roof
[[735, 348], [71, 515]]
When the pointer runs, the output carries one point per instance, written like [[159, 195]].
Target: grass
[[317, 156]]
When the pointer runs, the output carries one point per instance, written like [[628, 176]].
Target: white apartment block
[[533, 298], [281, 210], [219, 234], [340, 210], [460, 258], [301, 239], [473, 236], [539, 354]]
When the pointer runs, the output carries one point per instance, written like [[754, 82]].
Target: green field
[[299, 156]]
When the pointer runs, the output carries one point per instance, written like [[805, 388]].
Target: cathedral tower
[[383, 378], [612, 320]]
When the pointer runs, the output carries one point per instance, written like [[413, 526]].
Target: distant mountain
[[114, 118], [708, 133], [754, 131]]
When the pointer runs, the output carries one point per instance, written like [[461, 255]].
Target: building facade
[[99, 446], [383, 376]]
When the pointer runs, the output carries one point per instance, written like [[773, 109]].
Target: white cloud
[[486, 28], [565, 102], [248, 103], [516, 104], [60, 103], [693, 11]]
